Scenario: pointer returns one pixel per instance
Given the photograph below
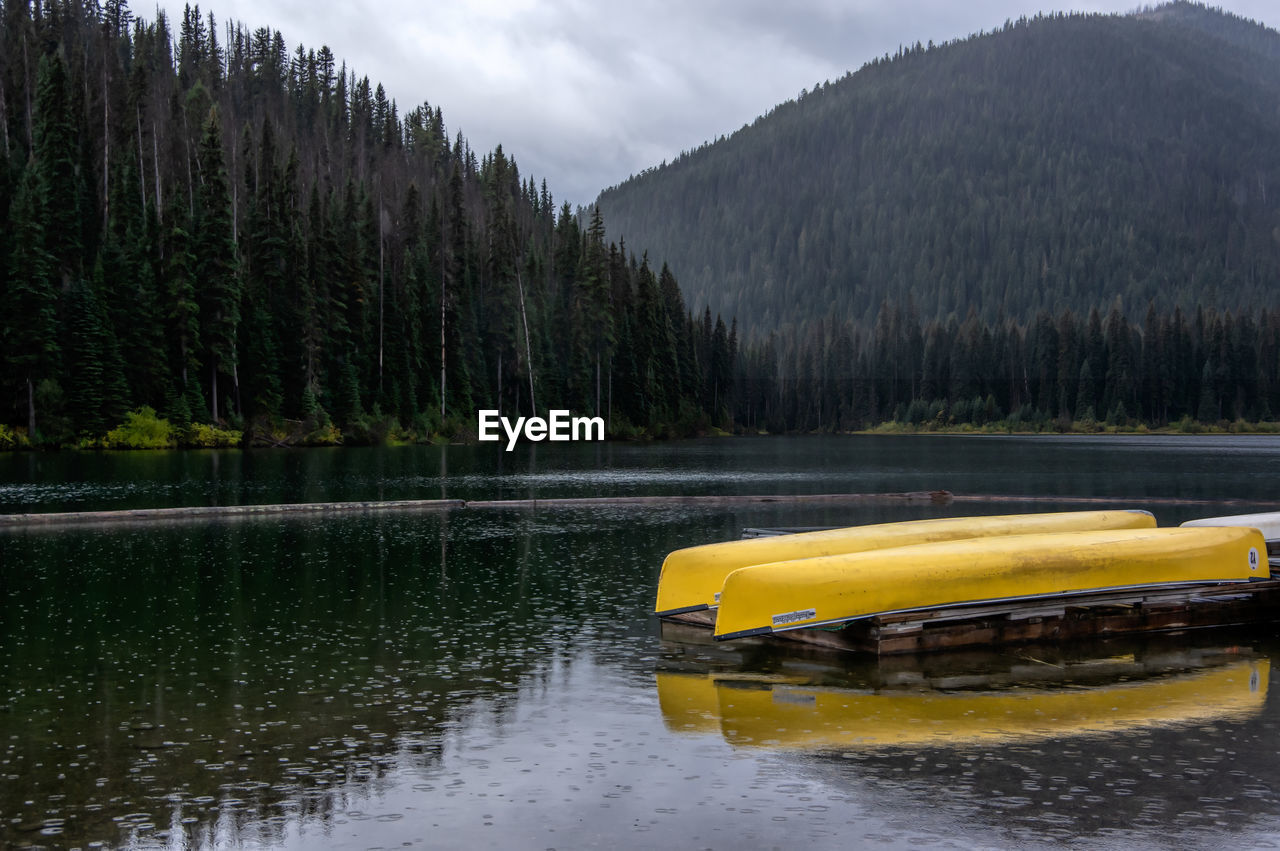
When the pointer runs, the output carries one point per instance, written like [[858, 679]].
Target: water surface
[[493, 679], [1201, 467]]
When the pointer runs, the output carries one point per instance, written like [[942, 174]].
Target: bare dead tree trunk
[[382, 247], [106, 148], [142, 161], [186, 140], [528, 351], [31, 408], [4, 121], [443, 290], [155, 148], [235, 199], [26, 74]]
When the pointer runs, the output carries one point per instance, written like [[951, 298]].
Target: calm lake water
[[492, 679]]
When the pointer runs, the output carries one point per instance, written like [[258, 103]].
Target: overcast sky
[[585, 93]]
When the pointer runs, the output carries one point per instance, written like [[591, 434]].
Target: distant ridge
[[1062, 161]]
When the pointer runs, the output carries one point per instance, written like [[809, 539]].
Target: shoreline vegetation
[[144, 429]]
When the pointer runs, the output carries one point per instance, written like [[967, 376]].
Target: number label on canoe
[[794, 617], [1254, 560]]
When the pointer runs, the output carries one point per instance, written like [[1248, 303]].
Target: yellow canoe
[[691, 578], [811, 718], [768, 598]]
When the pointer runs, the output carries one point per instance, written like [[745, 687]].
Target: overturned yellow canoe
[[815, 719], [831, 589], [691, 578]]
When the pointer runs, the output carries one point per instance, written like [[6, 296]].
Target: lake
[[492, 678]]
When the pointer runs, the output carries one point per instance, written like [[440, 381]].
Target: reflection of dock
[[761, 711], [1067, 617]]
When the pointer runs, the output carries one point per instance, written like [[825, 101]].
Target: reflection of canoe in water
[[692, 578], [830, 590], [779, 715]]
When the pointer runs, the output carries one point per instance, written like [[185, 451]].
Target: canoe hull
[[692, 578], [1267, 523], [769, 598]]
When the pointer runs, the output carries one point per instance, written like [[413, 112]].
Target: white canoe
[[1268, 523]]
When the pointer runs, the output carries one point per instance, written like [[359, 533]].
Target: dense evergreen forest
[[1054, 164], [212, 238], [1055, 373], [245, 237]]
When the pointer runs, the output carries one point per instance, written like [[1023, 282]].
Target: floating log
[[202, 512], [1107, 500], [938, 497]]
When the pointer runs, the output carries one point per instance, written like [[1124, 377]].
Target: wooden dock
[[1073, 617]]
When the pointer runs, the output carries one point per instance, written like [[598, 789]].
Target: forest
[[1064, 372], [213, 238], [1055, 163]]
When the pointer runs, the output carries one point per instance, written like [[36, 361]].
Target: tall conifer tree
[[217, 273]]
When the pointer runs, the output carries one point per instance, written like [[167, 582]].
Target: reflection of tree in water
[[225, 680]]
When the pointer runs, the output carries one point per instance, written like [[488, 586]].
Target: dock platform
[[1049, 619]]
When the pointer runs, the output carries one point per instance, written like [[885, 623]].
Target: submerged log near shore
[[202, 512], [219, 511]]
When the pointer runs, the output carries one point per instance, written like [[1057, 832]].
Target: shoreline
[[889, 429]]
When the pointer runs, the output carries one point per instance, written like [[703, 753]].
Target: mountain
[[1061, 162]]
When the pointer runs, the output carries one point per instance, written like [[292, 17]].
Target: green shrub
[[141, 429], [371, 429], [323, 435], [201, 436], [913, 414], [13, 438], [53, 426]]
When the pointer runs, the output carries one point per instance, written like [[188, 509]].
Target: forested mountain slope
[[230, 230], [1060, 162]]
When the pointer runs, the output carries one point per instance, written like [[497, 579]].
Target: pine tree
[[217, 277], [181, 310], [96, 392], [59, 186], [29, 323]]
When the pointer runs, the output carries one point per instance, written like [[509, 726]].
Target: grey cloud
[[586, 93]]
